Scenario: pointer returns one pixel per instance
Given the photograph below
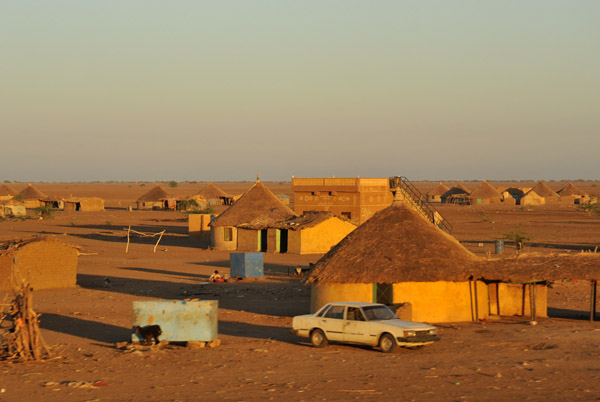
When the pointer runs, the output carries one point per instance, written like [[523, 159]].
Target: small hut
[[32, 197], [436, 194], [12, 208], [542, 189], [485, 194], [92, 204], [570, 194], [155, 198], [215, 196], [458, 194], [245, 224], [43, 262], [532, 198], [7, 192]]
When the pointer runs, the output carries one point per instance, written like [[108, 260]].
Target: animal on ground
[[148, 333]]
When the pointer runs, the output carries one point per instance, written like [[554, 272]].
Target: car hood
[[405, 324]]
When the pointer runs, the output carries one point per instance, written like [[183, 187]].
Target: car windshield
[[377, 313]]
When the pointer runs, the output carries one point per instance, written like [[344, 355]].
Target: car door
[[332, 323], [356, 328]]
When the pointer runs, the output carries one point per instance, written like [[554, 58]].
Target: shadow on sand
[[96, 331]]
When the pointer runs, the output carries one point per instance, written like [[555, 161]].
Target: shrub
[[173, 183], [44, 212]]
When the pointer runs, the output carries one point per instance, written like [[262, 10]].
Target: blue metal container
[[180, 321], [499, 246], [246, 265]]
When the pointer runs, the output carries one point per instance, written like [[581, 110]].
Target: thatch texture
[[568, 190], [457, 189], [395, 245], [211, 192], [485, 190], [543, 190], [154, 195], [8, 191], [258, 208], [308, 219], [32, 193], [536, 267], [439, 190]]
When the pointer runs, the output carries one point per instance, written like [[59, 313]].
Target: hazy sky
[[222, 90]]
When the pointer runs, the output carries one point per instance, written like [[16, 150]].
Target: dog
[[148, 332]]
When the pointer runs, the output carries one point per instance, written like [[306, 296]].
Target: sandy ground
[[259, 358]]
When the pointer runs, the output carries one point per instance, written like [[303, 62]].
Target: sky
[[224, 90]]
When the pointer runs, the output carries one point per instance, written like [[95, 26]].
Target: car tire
[[318, 338], [387, 343]]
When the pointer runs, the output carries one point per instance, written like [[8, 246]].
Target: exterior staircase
[[407, 191]]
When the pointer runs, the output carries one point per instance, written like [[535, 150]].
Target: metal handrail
[[420, 201]]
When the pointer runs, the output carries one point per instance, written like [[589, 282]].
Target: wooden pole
[[533, 311], [127, 248], [158, 241], [593, 284]]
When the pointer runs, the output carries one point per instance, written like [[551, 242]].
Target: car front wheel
[[387, 343], [318, 338]]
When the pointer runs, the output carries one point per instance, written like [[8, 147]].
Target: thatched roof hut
[[155, 194], [395, 245], [569, 190], [543, 190], [32, 193], [7, 191], [485, 193], [257, 208], [213, 192], [438, 191]]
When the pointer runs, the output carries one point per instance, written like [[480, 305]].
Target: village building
[[513, 192], [92, 204], [542, 189], [7, 192], [43, 262], [156, 198], [399, 258], [485, 194], [570, 194], [532, 198], [356, 199], [437, 193], [457, 194], [215, 196], [32, 197], [12, 208], [245, 225]]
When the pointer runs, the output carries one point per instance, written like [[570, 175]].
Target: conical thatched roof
[[457, 189], [543, 190], [395, 245], [155, 194], [6, 190], [439, 190], [257, 208], [485, 190], [211, 192], [32, 193], [567, 190]]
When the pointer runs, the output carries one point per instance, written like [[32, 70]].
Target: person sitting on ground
[[216, 275]]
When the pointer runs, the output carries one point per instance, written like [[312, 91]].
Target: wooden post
[[593, 284], [533, 306], [160, 237], [127, 248]]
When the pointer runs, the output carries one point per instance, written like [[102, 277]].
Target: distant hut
[[7, 192], [215, 196], [32, 197], [436, 194], [245, 224], [156, 198], [314, 232], [397, 257], [43, 262], [458, 194], [542, 189], [570, 194], [12, 208], [514, 192], [532, 198], [485, 194], [92, 204]]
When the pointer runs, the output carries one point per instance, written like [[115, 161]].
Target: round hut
[[570, 194], [215, 196], [458, 194], [154, 199], [7, 192], [485, 194], [549, 195], [436, 194], [32, 197]]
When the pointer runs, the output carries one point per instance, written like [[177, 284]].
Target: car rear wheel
[[387, 343], [318, 338]]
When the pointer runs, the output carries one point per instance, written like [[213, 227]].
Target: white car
[[362, 323]]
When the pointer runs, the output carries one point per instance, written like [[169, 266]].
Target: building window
[[347, 215], [228, 234]]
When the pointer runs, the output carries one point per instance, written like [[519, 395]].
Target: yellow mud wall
[[92, 204], [294, 242], [320, 238], [198, 223], [442, 301], [46, 265], [510, 297], [217, 238], [248, 239], [30, 204], [532, 200], [322, 294]]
